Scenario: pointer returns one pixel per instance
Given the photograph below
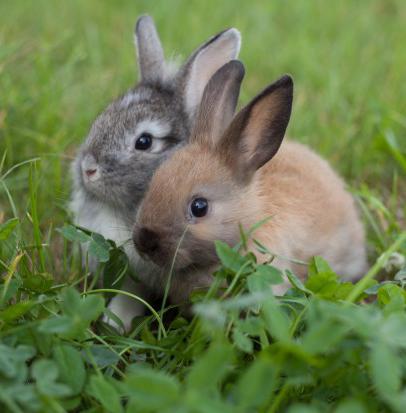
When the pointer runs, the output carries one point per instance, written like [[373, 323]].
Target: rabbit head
[[136, 132], [208, 187]]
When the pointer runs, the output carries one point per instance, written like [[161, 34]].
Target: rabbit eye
[[143, 142], [199, 207]]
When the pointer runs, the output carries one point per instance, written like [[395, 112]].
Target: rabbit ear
[[256, 133], [150, 55], [218, 104], [204, 62]]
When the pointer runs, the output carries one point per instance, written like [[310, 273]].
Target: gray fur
[[125, 171], [151, 61], [109, 204]]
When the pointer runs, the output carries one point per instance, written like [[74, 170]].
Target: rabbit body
[[311, 213], [133, 136], [243, 173]]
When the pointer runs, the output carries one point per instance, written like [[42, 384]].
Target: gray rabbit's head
[[139, 130]]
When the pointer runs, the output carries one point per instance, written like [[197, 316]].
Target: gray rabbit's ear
[[204, 62], [218, 104], [150, 55]]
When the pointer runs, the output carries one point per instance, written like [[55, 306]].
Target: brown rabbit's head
[[208, 187]]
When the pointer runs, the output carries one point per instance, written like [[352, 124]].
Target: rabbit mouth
[[168, 261], [172, 252], [187, 264]]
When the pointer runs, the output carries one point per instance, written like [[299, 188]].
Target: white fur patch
[[129, 99], [125, 307], [132, 98], [100, 218], [156, 128]]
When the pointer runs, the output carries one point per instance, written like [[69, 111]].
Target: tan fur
[[311, 213]]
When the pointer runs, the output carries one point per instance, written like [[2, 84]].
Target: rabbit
[[132, 136], [237, 170]]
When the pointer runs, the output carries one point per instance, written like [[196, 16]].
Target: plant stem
[[135, 297], [379, 264]]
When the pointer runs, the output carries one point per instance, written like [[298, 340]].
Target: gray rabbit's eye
[[143, 142]]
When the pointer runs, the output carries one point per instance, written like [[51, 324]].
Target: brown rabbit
[[239, 172]]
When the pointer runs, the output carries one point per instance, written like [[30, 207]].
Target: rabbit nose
[[90, 172], [146, 240], [90, 168]]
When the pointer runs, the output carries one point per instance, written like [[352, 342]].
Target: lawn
[[337, 348]]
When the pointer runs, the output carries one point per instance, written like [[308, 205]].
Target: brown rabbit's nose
[[146, 240]]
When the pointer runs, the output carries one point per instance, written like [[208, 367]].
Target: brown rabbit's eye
[[199, 207], [143, 142]]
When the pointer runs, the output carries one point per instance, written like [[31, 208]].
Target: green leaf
[[229, 258], [209, 369], [263, 277], [15, 311], [392, 330], [385, 365], [304, 408], [22, 394], [321, 278], [91, 307], [87, 308], [392, 298], [57, 325], [325, 283], [319, 265], [350, 406], [99, 248], [276, 321], [296, 282], [250, 325], [257, 383], [74, 234], [13, 360], [323, 335], [152, 390], [38, 282], [102, 356], [71, 368], [242, 341], [104, 392], [78, 313], [7, 228], [115, 269], [45, 372]]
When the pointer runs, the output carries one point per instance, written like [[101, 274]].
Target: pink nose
[[90, 172]]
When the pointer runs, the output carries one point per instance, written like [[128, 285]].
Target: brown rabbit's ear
[[257, 131], [150, 55], [218, 103], [204, 62]]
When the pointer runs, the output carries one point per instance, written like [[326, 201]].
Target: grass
[[60, 64]]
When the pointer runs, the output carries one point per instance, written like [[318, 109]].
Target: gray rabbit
[[133, 136]]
